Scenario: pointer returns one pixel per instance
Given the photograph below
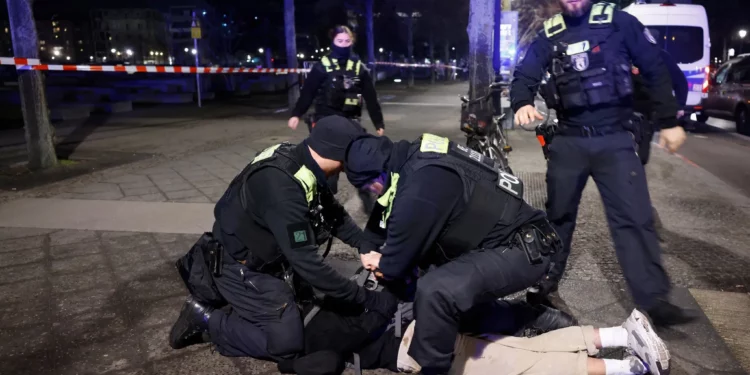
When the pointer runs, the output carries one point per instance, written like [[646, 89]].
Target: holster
[[544, 134], [537, 240]]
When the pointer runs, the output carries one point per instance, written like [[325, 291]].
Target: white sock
[[615, 337], [623, 367]]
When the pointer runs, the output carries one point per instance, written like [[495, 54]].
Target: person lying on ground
[[564, 351], [338, 331]]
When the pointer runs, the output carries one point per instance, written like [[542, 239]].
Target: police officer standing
[[449, 210], [268, 228], [588, 49], [337, 85]]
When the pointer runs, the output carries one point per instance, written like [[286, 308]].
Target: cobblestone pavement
[[87, 302]]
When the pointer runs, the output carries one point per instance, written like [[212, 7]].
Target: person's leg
[[448, 292], [264, 315], [567, 174], [621, 180]]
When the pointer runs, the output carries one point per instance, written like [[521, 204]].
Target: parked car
[[729, 94]]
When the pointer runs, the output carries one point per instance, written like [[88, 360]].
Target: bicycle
[[486, 137]]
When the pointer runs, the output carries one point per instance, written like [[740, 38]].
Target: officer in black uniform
[[337, 85], [588, 49], [268, 225], [446, 206]]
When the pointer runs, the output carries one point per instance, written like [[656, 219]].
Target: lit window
[[42, 48], [80, 42], [110, 38], [6, 30], [42, 42]]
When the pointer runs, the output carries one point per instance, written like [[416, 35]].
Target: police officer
[[447, 208], [588, 49], [337, 85], [268, 224]]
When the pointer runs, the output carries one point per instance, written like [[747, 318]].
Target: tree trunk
[[291, 51], [370, 39], [447, 56], [433, 68], [39, 133], [269, 57], [410, 47], [481, 20]]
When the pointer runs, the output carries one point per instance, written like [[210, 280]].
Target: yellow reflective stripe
[[349, 101], [554, 25], [326, 63], [307, 179], [386, 200], [265, 154], [349, 64], [359, 64], [433, 143], [602, 13]]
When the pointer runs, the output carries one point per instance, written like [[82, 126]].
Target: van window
[[684, 43], [721, 75]]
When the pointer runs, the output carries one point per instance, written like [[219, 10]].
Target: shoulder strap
[[287, 163], [555, 25], [602, 14]]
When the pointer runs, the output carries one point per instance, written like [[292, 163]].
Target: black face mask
[[341, 53]]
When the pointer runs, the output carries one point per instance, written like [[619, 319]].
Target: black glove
[[382, 302]]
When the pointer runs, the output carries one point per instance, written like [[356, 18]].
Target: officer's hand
[[381, 131], [293, 122], [371, 260], [527, 114], [672, 138]]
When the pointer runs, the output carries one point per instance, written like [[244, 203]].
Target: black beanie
[[366, 159], [332, 135]]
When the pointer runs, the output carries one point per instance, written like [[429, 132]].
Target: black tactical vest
[[491, 196], [234, 219], [589, 68], [342, 89]]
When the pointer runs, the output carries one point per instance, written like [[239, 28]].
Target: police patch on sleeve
[[649, 36], [299, 235], [511, 184]]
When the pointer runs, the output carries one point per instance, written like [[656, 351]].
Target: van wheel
[[741, 118], [702, 118]]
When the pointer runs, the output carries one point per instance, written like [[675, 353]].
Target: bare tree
[[481, 22], [291, 51], [39, 132]]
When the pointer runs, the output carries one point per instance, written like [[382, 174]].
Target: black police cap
[[332, 135]]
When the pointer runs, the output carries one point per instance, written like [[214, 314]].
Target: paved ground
[[87, 287]]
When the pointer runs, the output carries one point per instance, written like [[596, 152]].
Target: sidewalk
[[88, 285]]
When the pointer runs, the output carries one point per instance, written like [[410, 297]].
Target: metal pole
[[197, 65]]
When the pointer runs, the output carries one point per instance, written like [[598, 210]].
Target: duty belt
[[590, 131]]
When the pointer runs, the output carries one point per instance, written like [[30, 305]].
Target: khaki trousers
[[560, 352]]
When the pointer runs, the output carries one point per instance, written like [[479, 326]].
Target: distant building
[[180, 20], [60, 41], [130, 36], [6, 44]]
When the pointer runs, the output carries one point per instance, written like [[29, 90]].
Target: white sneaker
[[646, 344]]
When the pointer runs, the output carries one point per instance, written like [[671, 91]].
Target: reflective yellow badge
[[433, 143]]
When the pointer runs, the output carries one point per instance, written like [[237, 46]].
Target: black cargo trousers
[[461, 296], [264, 321]]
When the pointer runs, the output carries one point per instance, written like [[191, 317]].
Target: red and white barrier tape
[[35, 64]]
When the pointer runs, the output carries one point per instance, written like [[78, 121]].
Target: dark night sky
[[726, 17]]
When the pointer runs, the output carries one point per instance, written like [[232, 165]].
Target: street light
[[301, 55], [56, 52], [381, 49], [113, 50], [743, 34], [186, 49], [129, 52], [194, 51], [260, 50]]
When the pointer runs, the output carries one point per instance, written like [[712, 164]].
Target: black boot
[[543, 293], [192, 326], [665, 314], [539, 319]]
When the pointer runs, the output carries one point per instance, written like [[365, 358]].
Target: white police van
[[683, 32]]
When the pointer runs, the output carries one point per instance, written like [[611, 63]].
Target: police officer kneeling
[[588, 49], [447, 206], [267, 229]]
